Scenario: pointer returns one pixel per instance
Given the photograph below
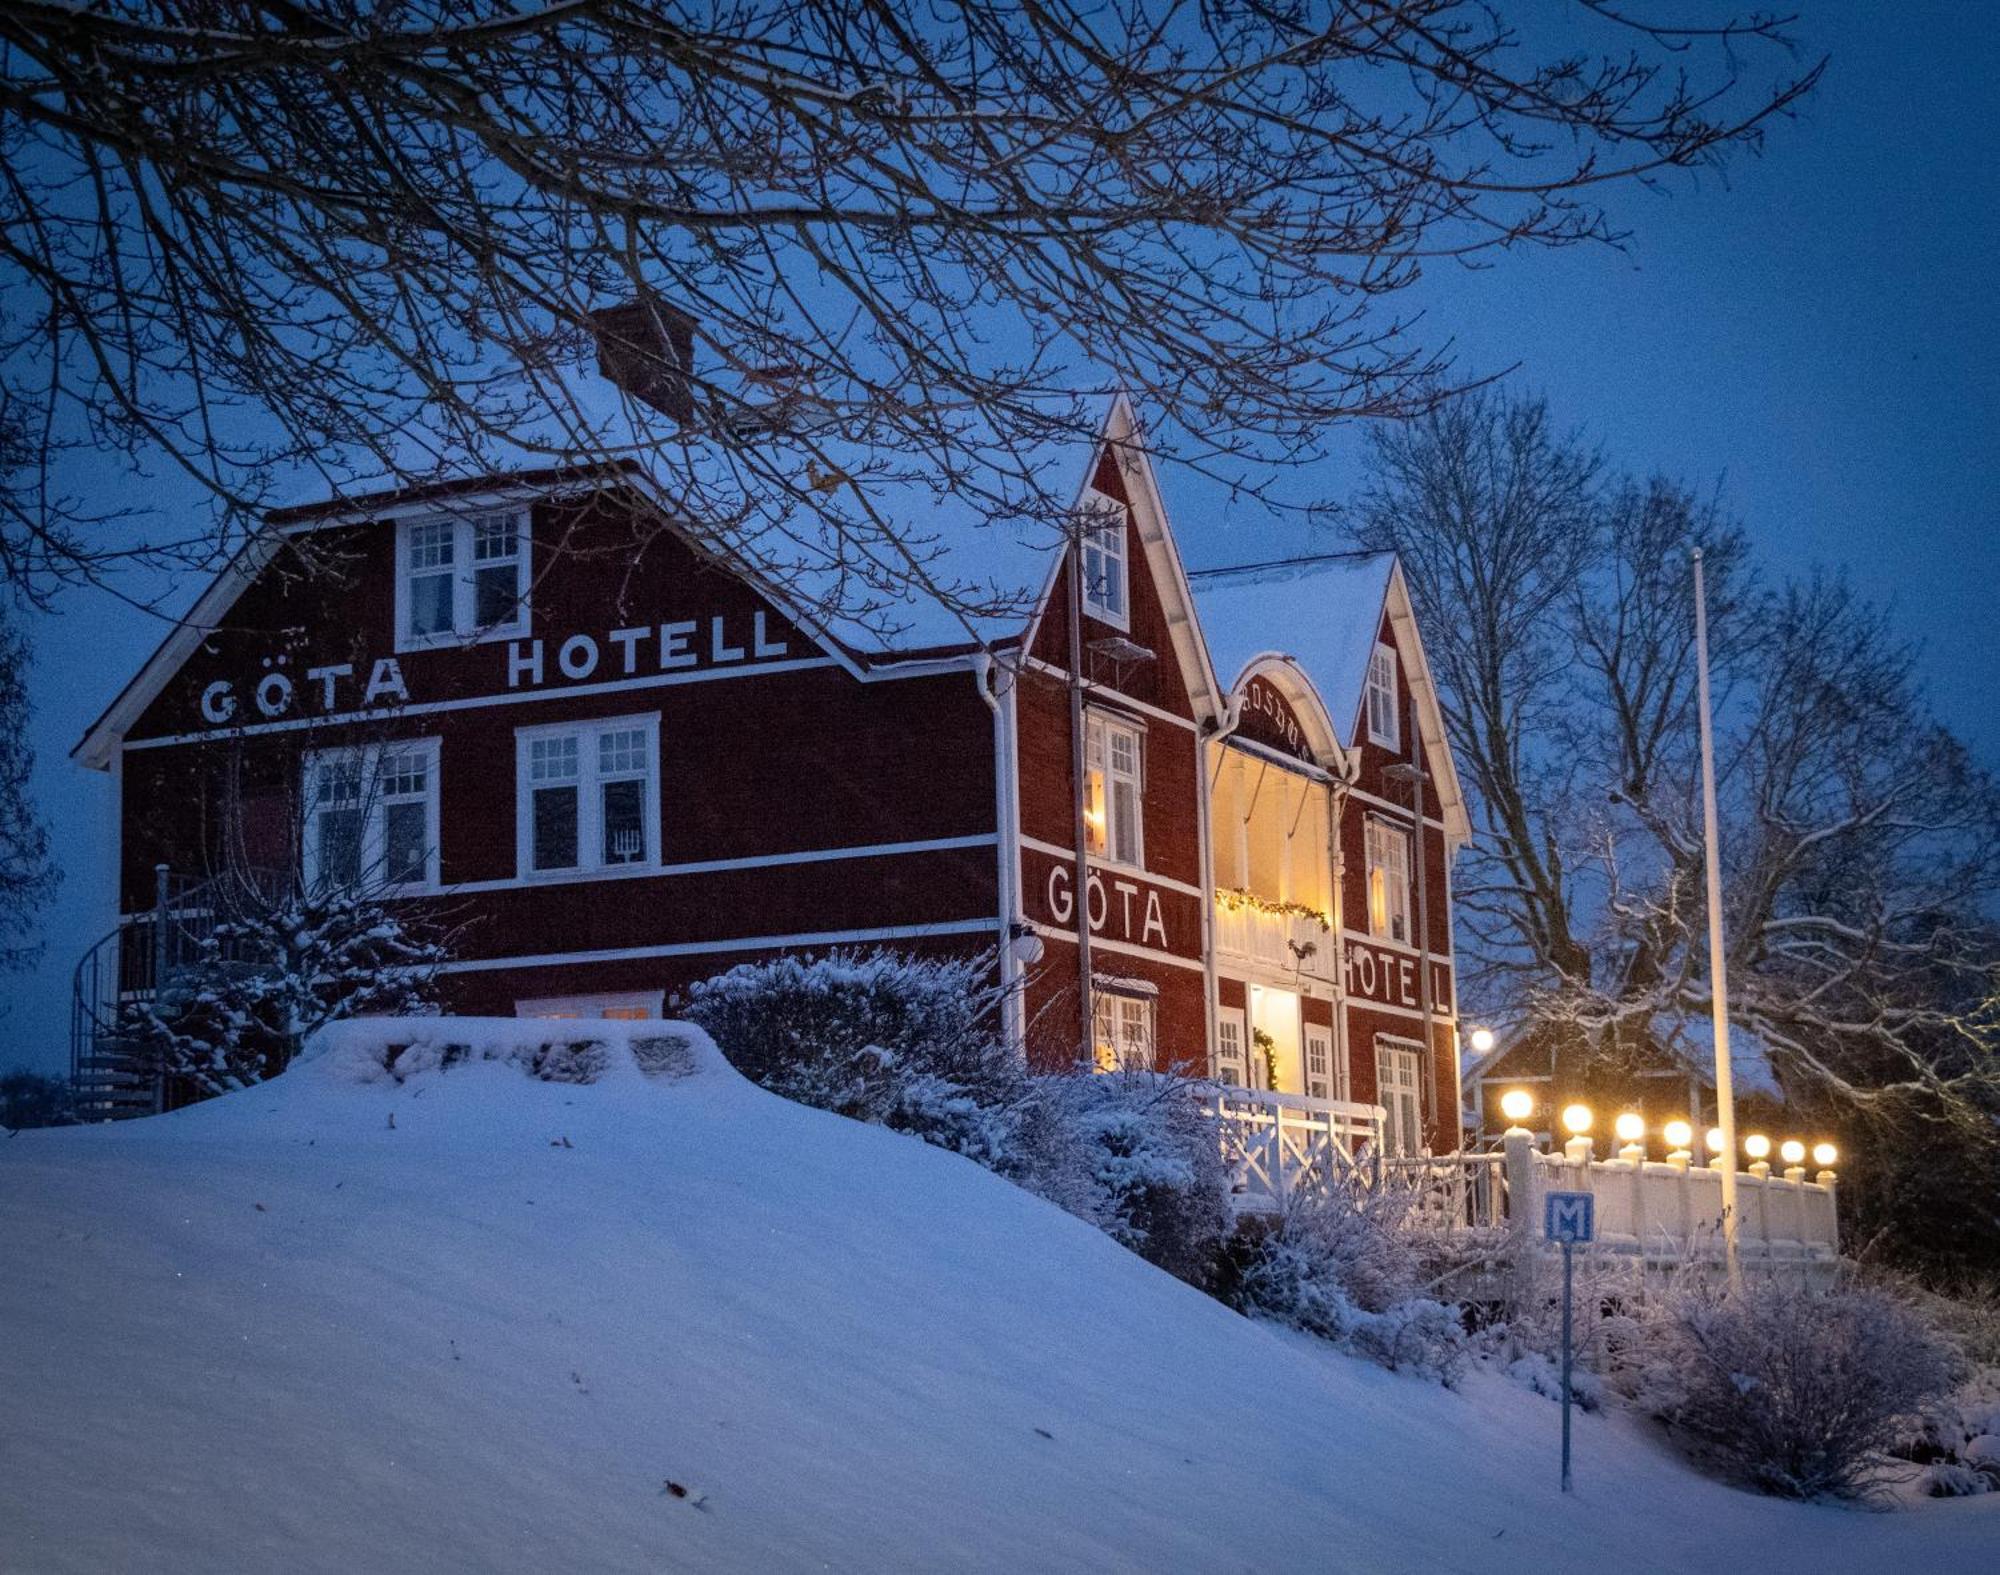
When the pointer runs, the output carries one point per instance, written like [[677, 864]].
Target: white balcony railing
[[1278, 1145], [1290, 942]]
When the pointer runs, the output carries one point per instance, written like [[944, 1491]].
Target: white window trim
[[1372, 827], [463, 631], [589, 803], [651, 1002], [1125, 1007], [1093, 504], [1390, 737], [1100, 718], [1320, 1034], [374, 833], [1386, 1045]]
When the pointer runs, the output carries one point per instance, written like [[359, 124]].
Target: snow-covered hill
[[477, 1322]]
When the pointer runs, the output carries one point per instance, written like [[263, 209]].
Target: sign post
[[1568, 1218]]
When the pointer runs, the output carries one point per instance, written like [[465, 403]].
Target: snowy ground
[[278, 1331]]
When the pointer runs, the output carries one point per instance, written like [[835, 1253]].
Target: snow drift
[[451, 1313]]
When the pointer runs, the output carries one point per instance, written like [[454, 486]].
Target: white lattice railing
[[1268, 939], [1454, 1192], [1281, 1144]]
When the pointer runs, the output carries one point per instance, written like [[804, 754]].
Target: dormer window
[[461, 578], [1384, 726], [1106, 594]]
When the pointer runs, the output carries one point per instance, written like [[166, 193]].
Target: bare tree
[[28, 878], [249, 239], [1861, 843]]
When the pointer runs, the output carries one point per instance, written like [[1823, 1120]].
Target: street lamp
[[1517, 1104], [1482, 1040]]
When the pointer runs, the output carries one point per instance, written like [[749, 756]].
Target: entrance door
[[1398, 1081], [1280, 1065]]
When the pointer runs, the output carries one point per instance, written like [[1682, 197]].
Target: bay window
[[1113, 788], [371, 821], [461, 578], [588, 796], [1388, 849]]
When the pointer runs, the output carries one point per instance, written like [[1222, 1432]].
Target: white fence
[[1278, 1145]]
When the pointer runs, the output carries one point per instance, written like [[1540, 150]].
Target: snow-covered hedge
[[576, 1051], [1346, 1265], [1797, 1390]]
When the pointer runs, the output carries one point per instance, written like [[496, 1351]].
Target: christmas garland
[[1234, 899]]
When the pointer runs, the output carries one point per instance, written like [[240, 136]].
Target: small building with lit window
[[619, 769]]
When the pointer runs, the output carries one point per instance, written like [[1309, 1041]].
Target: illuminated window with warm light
[[1113, 781], [1384, 725], [623, 1006], [1123, 1031], [1388, 881]]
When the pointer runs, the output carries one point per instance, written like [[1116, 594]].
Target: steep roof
[[1324, 613]]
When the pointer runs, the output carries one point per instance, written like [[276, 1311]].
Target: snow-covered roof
[[1324, 615], [1692, 1041]]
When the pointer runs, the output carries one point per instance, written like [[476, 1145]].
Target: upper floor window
[[587, 796], [462, 577], [1388, 880], [1384, 726], [371, 821], [1106, 593], [1113, 787]]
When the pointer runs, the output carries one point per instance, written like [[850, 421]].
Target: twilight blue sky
[[1816, 335]]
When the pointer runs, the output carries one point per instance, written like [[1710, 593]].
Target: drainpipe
[[1231, 716], [1085, 980], [1336, 806], [986, 674]]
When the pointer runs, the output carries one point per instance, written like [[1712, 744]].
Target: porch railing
[[1292, 942], [1279, 1145]]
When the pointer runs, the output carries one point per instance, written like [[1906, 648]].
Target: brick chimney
[[646, 348]]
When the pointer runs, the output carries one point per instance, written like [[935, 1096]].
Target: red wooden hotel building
[[627, 767]]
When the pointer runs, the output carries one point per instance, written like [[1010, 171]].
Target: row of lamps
[[1517, 1105]]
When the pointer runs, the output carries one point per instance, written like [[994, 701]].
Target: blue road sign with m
[[1569, 1217]]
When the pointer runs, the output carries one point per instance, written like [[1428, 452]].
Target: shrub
[[1344, 1264], [1136, 1154], [28, 1099], [903, 1042], [1796, 1391]]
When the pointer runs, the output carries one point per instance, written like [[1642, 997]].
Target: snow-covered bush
[[1346, 1264], [905, 1042], [1138, 1155], [268, 977], [1795, 1390]]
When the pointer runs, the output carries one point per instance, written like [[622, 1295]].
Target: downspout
[[1417, 779], [1085, 980], [986, 675], [1231, 716]]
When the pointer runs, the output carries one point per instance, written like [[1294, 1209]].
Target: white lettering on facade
[[674, 648], [1391, 979], [217, 703], [324, 677], [578, 656], [520, 662], [385, 681], [719, 649], [274, 694], [1152, 928], [761, 645], [628, 641]]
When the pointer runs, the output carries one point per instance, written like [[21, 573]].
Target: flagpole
[[1725, 1086]]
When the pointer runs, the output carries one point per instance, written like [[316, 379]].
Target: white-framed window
[[1384, 717], [1114, 789], [1398, 1090], [371, 821], [1388, 880], [461, 577], [1123, 1030], [1231, 1068], [587, 796], [1319, 1062], [1107, 591], [624, 1005]]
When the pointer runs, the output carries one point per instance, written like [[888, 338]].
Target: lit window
[[1384, 727], [1123, 1031], [461, 579], [1113, 785], [1398, 1090], [1388, 880], [372, 818], [588, 796], [626, 1006], [1105, 590]]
